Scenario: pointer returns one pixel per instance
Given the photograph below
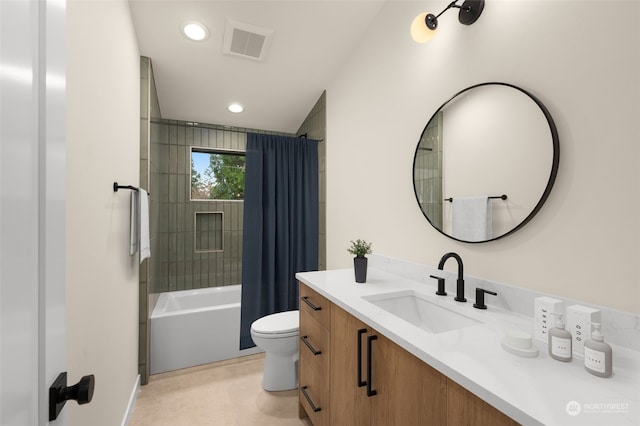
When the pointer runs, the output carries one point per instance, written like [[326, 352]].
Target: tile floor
[[222, 393]]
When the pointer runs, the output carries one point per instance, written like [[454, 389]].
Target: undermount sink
[[418, 310]]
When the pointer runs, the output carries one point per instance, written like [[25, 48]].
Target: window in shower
[[217, 175], [208, 232]]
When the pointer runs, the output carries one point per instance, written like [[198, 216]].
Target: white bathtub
[[193, 327]]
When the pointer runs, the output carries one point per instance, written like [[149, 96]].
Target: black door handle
[[370, 391], [360, 333], [59, 393]]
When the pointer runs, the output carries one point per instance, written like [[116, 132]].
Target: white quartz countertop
[[532, 391]]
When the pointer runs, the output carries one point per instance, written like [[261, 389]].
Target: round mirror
[[485, 162]]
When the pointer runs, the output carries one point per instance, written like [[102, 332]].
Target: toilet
[[277, 334]]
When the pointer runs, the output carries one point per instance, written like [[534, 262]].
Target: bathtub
[[193, 327]]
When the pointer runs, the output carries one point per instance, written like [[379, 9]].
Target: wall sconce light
[[425, 25]]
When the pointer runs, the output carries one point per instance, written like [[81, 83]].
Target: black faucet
[[459, 283]]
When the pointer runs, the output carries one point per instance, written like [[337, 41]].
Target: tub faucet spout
[[460, 282]]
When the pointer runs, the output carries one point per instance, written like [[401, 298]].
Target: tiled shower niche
[[208, 232]]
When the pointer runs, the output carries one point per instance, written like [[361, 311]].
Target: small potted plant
[[360, 249]]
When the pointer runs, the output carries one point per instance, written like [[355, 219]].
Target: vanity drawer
[[315, 305], [313, 395], [314, 344]]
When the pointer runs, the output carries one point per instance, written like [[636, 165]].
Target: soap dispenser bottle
[[597, 354], [559, 340]]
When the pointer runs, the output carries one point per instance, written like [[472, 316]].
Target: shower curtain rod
[[232, 130], [306, 136]]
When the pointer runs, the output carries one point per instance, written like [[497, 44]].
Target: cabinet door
[[349, 402], [313, 395], [408, 391], [464, 408], [316, 305], [315, 312], [314, 345]]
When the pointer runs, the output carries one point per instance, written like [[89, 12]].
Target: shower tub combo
[[193, 327]]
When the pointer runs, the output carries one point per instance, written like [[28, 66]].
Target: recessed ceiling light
[[194, 30], [236, 108]]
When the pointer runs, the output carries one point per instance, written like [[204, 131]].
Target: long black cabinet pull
[[305, 340], [306, 300], [370, 391], [360, 333], [308, 398]]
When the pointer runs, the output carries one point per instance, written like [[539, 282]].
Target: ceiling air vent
[[246, 40]]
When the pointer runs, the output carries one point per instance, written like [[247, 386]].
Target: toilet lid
[[280, 323]]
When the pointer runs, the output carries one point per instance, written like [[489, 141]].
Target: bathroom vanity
[[362, 364], [338, 348]]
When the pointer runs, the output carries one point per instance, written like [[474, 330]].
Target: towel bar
[[116, 187], [502, 197]]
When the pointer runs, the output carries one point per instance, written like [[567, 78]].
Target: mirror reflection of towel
[[472, 219]]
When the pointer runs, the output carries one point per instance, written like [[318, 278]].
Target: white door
[[32, 198]]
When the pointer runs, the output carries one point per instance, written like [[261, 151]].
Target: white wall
[[585, 242], [103, 95]]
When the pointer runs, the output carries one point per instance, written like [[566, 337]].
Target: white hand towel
[[472, 218], [134, 236], [145, 247]]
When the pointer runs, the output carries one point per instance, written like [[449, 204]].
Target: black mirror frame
[[554, 166]]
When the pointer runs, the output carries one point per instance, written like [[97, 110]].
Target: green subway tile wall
[[149, 109], [428, 172], [315, 126], [175, 263]]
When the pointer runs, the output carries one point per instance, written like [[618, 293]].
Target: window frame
[[207, 150]]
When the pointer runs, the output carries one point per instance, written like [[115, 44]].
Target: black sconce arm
[[470, 11]]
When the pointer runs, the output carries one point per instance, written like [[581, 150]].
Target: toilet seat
[[277, 326]]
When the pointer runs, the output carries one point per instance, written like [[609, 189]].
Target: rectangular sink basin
[[421, 312]]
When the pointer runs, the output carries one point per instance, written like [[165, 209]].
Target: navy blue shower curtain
[[280, 232]]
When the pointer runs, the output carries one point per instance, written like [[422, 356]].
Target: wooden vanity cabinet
[[464, 408], [348, 399], [402, 390], [313, 364]]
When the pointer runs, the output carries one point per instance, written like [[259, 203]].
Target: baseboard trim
[[132, 403]]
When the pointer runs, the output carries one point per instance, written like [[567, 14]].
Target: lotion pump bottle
[[559, 340], [597, 354]]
